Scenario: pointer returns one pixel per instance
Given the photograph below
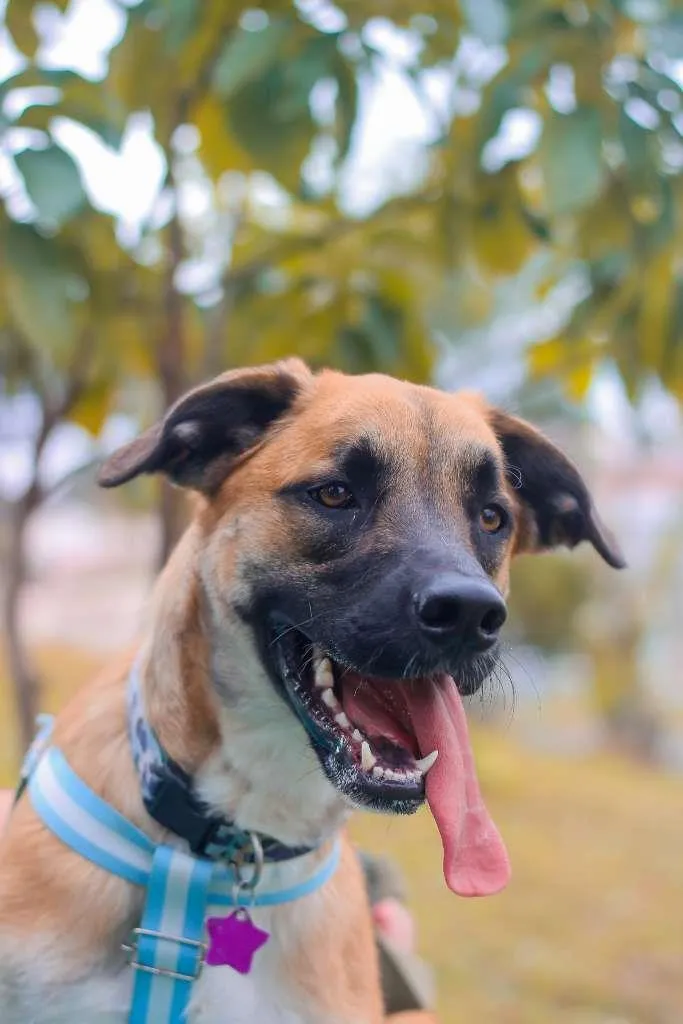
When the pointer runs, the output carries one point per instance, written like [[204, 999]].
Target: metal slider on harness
[[132, 949]]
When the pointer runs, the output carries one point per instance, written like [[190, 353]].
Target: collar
[[169, 797], [92, 827]]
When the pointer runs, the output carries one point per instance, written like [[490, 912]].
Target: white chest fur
[[267, 995]]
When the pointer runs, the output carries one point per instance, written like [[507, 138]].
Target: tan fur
[[53, 900]]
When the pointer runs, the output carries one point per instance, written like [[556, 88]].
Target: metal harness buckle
[[132, 949]]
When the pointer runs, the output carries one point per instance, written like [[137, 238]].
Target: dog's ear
[[557, 508], [201, 436]]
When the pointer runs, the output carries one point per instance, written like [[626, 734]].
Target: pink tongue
[[475, 861]]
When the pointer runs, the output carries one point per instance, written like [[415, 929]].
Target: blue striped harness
[[185, 891]]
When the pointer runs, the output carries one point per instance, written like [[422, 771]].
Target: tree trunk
[[24, 681], [171, 368]]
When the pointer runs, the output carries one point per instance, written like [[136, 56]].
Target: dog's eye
[[492, 518], [333, 495]]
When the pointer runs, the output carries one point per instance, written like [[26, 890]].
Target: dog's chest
[[274, 991], [223, 995], [220, 996]]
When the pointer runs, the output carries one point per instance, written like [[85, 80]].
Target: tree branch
[[288, 247], [26, 684], [202, 82]]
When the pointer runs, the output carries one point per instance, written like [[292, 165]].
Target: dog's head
[[359, 530]]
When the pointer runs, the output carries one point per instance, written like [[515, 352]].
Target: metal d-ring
[[247, 885]]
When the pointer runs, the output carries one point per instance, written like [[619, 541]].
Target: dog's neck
[[216, 713]]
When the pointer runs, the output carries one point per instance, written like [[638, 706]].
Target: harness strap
[[169, 951]]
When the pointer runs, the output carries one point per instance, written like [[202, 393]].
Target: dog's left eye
[[333, 495], [492, 518]]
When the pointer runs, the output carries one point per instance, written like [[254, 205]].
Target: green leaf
[[38, 115], [92, 409], [182, 17], [96, 108], [109, 130], [507, 90], [80, 102], [38, 281], [247, 54], [19, 21], [571, 159], [346, 108], [640, 149], [271, 119], [300, 75], [376, 341], [52, 181], [30, 77]]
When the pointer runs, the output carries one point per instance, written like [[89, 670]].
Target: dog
[[341, 585]]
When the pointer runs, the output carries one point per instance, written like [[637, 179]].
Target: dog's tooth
[[323, 674], [367, 758], [357, 736], [378, 771], [329, 698], [425, 763], [342, 721]]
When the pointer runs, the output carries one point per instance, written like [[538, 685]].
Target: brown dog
[[347, 561]]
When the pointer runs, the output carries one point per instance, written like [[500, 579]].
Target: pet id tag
[[234, 940]]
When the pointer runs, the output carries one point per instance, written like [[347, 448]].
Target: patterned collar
[[169, 797]]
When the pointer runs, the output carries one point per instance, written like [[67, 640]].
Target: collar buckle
[[134, 960]]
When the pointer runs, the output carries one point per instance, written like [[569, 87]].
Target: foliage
[[253, 247], [601, 186]]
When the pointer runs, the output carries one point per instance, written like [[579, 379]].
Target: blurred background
[[484, 193]]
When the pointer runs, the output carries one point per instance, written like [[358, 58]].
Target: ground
[[589, 929]]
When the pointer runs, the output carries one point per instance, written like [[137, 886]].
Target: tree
[[257, 111]]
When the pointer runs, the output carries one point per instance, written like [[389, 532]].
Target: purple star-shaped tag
[[233, 941]]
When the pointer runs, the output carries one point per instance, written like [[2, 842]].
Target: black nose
[[457, 606]]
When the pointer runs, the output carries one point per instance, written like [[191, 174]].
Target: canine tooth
[[329, 698], [357, 736], [342, 721], [367, 758], [425, 763], [323, 674]]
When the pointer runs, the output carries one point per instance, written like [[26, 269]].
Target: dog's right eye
[[334, 495]]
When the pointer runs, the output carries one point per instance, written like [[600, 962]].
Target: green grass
[[589, 930]]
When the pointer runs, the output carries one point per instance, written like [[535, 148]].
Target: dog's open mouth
[[385, 744]]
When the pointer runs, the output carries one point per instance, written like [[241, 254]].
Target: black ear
[[559, 508], [202, 435]]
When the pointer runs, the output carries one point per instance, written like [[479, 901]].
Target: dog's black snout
[[454, 605]]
